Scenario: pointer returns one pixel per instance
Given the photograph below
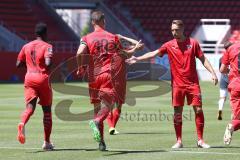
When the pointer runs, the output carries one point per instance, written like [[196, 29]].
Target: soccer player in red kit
[[181, 53], [232, 57], [114, 115], [104, 59], [36, 56]]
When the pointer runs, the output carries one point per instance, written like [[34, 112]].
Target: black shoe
[[102, 146], [220, 115]]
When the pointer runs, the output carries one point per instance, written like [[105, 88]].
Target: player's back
[[34, 54], [102, 47]]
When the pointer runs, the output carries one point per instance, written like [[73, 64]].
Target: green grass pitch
[[146, 129]]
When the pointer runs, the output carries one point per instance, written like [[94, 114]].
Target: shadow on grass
[[147, 133], [66, 149], [120, 152], [225, 146]]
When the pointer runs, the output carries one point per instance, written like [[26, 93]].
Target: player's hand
[[131, 60], [214, 79], [139, 45]]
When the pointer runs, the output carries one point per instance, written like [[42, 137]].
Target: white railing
[[212, 48], [215, 21]]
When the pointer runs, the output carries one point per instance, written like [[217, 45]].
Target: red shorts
[[38, 86], [102, 89], [192, 92]]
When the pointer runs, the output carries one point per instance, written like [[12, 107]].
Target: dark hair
[[97, 16], [41, 29], [227, 44], [178, 22]]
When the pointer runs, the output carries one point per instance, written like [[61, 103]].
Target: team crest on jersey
[[189, 46]]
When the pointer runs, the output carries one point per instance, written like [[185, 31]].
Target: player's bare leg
[[113, 118], [177, 120], [25, 116], [199, 120], [47, 123], [220, 107], [222, 100]]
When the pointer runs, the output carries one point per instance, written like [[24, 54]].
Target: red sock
[[100, 117], [116, 115], [101, 129], [102, 114], [110, 120], [199, 120], [47, 122], [236, 124], [26, 115], [178, 125]]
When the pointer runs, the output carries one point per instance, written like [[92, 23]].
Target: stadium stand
[[21, 16], [156, 15]]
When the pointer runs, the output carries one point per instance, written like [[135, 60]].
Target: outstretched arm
[[146, 56], [208, 66]]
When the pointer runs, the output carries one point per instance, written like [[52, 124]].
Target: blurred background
[[211, 22]]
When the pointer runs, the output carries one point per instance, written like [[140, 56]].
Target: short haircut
[[97, 16], [41, 29], [178, 22], [227, 44]]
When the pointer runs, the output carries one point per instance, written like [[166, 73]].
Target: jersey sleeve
[[21, 55], [225, 58], [83, 40], [162, 50], [198, 51], [48, 52]]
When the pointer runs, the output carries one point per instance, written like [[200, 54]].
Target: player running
[[105, 59], [232, 57], [181, 52], [36, 56], [223, 91]]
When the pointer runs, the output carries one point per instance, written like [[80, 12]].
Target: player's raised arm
[[208, 66], [130, 40], [130, 52]]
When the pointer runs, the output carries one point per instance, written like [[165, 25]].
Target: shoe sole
[[96, 132], [21, 135]]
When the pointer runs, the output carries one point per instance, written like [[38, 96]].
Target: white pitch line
[[132, 150]]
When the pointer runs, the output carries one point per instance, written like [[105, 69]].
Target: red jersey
[[232, 57], [182, 60], [102, 46], [34, 54]]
